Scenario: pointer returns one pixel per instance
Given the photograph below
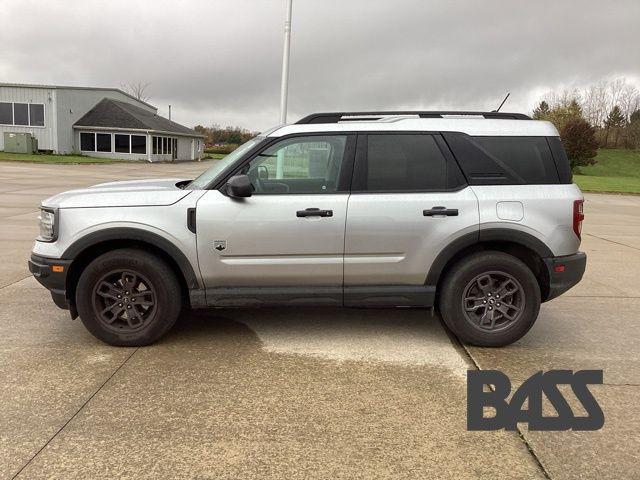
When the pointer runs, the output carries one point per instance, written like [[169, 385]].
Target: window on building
[[165, 145], [6, 113], [21, 114], [103, 142], [36, 115], [87, 142], [155, 145], [138, 144], [122, 143]]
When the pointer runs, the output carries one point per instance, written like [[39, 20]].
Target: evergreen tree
[[579, 140], [633, 129], [614, 123], [541, 112]]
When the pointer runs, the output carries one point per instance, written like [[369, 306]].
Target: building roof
[[109, 113], [68, 87]]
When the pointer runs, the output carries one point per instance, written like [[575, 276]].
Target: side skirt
[[329, 296]]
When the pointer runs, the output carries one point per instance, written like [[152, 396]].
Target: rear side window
[[403, 163], [493, 160], [529, 157]]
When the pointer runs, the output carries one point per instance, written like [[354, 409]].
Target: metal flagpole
[[284, 86], [285, 64]]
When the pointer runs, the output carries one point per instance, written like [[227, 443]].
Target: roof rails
[[336, 117]]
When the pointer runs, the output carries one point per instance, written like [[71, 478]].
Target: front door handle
[[314, 212], [437, 211]]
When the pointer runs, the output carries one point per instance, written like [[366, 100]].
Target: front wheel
[[490, 299], [128, 297]]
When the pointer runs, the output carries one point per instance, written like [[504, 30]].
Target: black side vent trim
[[191, 219]]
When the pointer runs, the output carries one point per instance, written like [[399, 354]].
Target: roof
[[477, 126], [335, 117], [109, 113], [68, 87]]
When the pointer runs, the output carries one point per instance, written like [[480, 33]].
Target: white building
[[99, 122]]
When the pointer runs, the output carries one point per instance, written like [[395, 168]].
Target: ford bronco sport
[[472, 213]]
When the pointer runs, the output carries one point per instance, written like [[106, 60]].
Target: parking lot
[[302, 393]]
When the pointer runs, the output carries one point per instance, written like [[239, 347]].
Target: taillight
[[578, 217]]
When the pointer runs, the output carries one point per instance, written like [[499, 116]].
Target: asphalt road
[[302, 393]]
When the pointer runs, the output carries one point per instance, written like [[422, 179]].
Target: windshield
[[209, 175]]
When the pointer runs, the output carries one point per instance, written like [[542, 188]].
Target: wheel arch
[[521, 245], [87, 248]]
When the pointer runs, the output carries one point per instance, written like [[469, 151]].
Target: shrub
[[228, 148], [579, 139]]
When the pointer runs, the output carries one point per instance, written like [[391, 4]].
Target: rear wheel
[[128, 297], [490, 299]]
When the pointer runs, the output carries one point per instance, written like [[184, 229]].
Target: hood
[[134, 193]]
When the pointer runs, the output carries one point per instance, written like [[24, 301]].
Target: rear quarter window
[[502, 160]]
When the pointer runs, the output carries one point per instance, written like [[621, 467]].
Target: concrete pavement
[[301, 393]]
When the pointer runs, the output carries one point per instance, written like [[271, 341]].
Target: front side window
[[122, 143], [88, 142], [21, 113], [6, 113], [298, 165], [402, 163]]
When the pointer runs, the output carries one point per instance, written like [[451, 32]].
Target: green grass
[[50, 158], [616, 171], [215, 156]]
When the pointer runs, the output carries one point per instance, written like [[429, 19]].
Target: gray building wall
[[63, 106], [189, 148], [46, 135], [74, 103]]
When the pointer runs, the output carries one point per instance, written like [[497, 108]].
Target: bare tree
[[138, 90]]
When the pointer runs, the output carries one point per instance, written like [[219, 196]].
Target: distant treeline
[[612, 108], [224, 139]]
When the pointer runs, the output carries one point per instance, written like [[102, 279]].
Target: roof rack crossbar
[[335, 117]]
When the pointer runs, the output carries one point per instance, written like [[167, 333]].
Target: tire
[[471, 304], [128, 298]]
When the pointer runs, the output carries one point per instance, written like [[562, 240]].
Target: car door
[[285, 243], [408, 202]]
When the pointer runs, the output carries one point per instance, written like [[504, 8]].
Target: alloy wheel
[[493, 301]]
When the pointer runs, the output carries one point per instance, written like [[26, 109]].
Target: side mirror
[[239, 186]]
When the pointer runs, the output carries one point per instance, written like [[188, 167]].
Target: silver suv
[[472, 213]]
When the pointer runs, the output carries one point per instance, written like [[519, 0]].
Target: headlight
[[47, 224]]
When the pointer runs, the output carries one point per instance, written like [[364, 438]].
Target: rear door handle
[[437, 211], [314, 212]]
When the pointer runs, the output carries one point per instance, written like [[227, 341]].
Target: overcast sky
[[219, 61]]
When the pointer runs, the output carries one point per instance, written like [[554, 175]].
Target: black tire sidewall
[[466, 270], [168, 295]]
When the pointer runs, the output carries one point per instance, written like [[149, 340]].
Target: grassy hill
[[616, 171]]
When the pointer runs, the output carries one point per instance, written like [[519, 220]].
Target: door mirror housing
[[239, 186]]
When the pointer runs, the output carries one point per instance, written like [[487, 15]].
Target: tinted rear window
[[403, 163], [492, 160], [528, 157]]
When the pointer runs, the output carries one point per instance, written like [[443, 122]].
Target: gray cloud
[[219, 61]]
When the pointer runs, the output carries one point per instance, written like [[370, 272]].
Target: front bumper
[[54, 279], [564, 272]]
